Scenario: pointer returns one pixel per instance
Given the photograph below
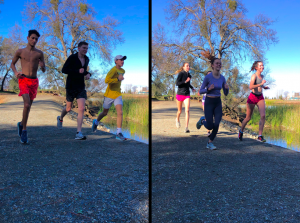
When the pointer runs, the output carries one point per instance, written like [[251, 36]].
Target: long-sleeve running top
[[183, 88], [113, 89], [218, 84], [75, 80]]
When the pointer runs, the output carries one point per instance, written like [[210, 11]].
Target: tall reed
[[136, 109], [286, 116]]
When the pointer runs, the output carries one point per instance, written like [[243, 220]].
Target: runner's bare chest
[[30, 57]]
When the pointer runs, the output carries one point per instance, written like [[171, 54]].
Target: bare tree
[[63, 24], [8, 47], [96, 85], [222, 27], [165, 62]]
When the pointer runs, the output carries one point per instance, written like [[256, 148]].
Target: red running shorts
[[28, 86], [254, 99]]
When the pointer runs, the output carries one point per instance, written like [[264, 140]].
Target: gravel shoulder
[[241, 181], [59, 179]]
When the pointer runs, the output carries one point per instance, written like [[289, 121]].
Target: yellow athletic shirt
[[113, 89]]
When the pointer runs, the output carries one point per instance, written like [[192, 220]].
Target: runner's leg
[[262, 111], [102, 114], [208, 132], [66, 109], [81, 104], [209, 112], [250, 108], [26, 110], [187, 111], [179, 107], [218, 117], [120, 115]]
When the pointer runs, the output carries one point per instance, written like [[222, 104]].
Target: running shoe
[[79, 136], [94, 126], [208, 134], [210, 146], [240, 135], [59, 123], [261, 139], [187, 130], [177, 123], [200, 122], [20, 128], [24, 138], [120, 137]]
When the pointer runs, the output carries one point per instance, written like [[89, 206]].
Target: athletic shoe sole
[[207, 147], [240, 138], [94, 125], [24, 142], [121, 138], [59, 123], [177, 124], [77, 138], [199, 124]]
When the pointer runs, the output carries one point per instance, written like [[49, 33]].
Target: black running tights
[[212, 108]]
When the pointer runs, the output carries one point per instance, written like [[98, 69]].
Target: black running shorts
[[72, 94]]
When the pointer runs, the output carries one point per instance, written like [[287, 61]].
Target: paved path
[[59, 179], [244, 181]]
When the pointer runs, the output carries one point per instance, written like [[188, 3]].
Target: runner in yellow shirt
[[113, 95]]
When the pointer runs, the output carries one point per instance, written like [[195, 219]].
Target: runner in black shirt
[[183, 82], [76, 68]]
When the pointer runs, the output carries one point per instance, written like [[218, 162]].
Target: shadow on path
[[56, 178], [241, 181]]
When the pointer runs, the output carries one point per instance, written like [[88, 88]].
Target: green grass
[[134, 108], [286, 116]]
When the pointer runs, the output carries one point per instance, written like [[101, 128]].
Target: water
[[280, 137], [283, 138], [130, 129]]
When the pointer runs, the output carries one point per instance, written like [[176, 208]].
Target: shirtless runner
[[30, 58]]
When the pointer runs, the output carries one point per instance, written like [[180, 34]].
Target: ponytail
[[181, 68], [209, 56], [254, 65]]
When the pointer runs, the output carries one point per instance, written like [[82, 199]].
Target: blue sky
[[283, 58], [134, 16]]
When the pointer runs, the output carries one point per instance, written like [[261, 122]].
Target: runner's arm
[[204, 88], [14, 61], [190, 83], [42, 63], [109, 77], [67, 68], [226, 91], [179, 80]]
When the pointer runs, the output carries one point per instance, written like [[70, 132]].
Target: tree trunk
[[2, 85]]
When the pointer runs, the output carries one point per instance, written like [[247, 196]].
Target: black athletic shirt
[[183, 88], [75, 80]]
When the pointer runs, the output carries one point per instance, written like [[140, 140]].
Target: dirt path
[[244, 181], [59, 179]]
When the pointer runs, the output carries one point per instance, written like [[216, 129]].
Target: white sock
[[96, 122], [119, 130]]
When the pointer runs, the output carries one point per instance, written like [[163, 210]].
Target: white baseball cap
[[120, 57]]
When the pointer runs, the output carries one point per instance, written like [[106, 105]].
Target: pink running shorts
[[182, 97]]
